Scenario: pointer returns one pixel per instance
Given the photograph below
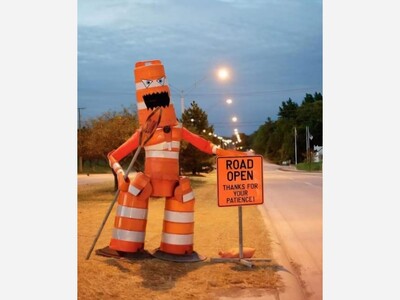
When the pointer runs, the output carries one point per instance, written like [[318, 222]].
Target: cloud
[[270, 45]]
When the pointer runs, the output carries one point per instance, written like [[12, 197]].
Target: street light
[[223, 73], [229, 101]]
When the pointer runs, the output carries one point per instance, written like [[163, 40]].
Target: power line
[[240, 123], [176, 90], [247, 93]]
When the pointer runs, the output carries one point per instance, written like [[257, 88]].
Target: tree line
[[274, 139]]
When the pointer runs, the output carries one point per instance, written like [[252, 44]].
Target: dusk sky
[[273, 50]]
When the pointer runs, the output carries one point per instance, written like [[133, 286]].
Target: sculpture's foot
[[194, 257], [107, 252]]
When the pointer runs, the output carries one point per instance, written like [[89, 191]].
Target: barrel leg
[[128, 234], [130, 222], [178, 224]]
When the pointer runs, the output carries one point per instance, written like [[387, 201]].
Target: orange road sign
[[240, 180]]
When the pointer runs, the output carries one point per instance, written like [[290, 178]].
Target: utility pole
[[295, 145], [80, 168], [182, 103], [79, 116], [308, 138], [307, 143]]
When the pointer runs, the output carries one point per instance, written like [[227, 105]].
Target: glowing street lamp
[[222, 74], [229, 101], [234, 119]]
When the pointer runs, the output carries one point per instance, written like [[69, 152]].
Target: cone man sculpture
[[160, 177]]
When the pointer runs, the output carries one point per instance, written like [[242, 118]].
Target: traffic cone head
[[152, 91]]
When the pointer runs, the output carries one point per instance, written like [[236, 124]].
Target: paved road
[[293, 201]]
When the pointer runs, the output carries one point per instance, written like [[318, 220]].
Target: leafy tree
[[310, 114], [308, 99], [288, 110], [286, 122], [109, 131], [82, 149], [317, 96], [260, 137], [285, 150], [191, 159], [105, 133]]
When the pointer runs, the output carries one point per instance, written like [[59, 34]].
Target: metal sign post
[[240, 232], [240, 183]]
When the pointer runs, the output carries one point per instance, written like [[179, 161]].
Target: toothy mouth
[[156, 99]]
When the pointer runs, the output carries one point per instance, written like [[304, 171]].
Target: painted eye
[[147, 83], [161, 81]]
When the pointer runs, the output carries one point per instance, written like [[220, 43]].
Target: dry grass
[[215, 229]]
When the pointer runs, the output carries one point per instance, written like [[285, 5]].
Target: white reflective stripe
[[133, 190], [140, 86], [154, 83], [187, 197], [131, 212], [120, 171], [178, 126], [214, 149], [162, 154], [178, 217], [127, 235], [141, 105], [116, 166], [177, 239], [162, 146]]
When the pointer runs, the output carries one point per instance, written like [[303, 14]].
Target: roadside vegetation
[[274, 140], [310, 166]]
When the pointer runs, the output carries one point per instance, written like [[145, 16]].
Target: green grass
[[313, 166]]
